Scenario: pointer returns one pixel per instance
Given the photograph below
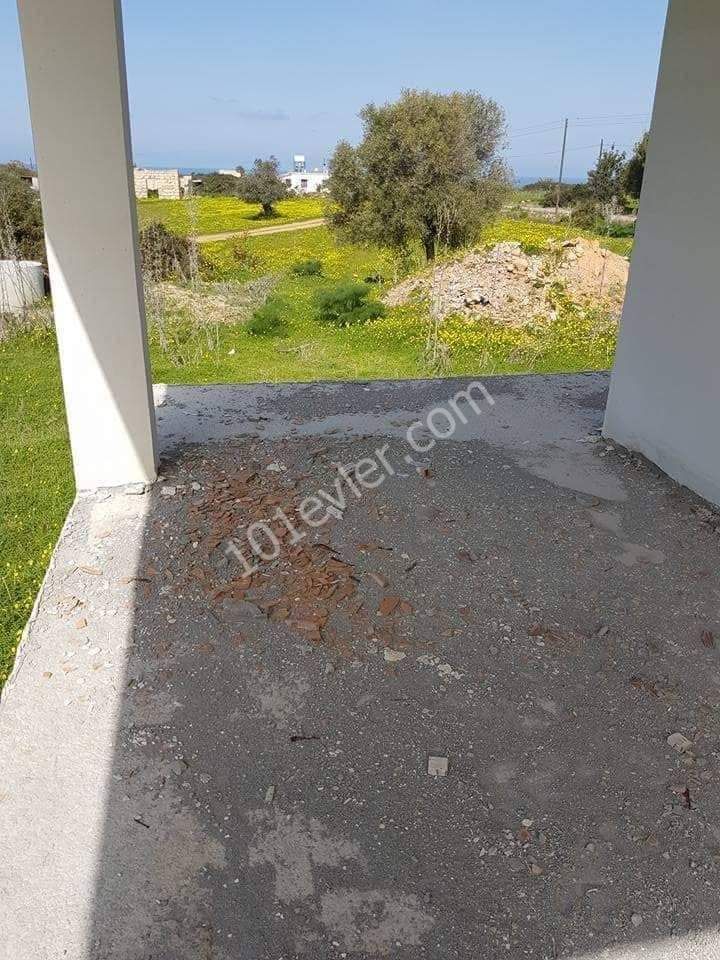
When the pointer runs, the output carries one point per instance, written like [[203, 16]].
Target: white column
[[75, 65], [665, 390]]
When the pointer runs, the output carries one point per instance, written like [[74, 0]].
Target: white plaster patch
[[374, 922], [634, 553], [280, 702], [606, 521], [293, 845]]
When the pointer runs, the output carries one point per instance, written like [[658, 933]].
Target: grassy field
[[37, 486], [203, 215]]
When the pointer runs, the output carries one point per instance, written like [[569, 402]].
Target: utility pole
[[602, 147], [562, 169]]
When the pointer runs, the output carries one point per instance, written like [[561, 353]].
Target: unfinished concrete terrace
[[470, 710]]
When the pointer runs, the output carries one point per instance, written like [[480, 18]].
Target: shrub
[[571, 195], [346, 305], [619, 230], [217, 184], [21, 223], [166, 255], [587, 215], [308, 268], [269, 320]]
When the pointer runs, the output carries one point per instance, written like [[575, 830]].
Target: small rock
[[270, 793], [276, 467], [195, 486], [393, 656], [636, 919], [437, 766], [168, 491], [679, 743]]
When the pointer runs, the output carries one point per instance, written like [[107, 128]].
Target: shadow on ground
[[532, 605]]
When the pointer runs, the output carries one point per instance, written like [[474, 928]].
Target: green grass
[[37, 484], [36, 487], [534, 234], [205, 215]]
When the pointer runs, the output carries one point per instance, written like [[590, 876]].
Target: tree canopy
[[635, 169], [218, 184], [21, 224], [605, 181], [427, 170], [262, 184]]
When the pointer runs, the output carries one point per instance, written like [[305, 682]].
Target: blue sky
[[218, 83]]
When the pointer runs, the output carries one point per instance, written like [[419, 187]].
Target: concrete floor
[[200, 765]]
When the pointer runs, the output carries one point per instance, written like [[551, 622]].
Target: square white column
[[75, 65], [665, 390]]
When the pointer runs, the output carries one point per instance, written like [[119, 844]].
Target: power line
[[600, 117], [535, 133], [556, 153], [552, 153], [617, 116], [538, 128]]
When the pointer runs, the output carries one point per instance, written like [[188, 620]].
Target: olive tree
[[427, 171], [262, 184]]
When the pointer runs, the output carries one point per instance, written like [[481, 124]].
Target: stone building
[[165, 184]]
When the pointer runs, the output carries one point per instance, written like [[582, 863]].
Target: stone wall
[[166, 182]]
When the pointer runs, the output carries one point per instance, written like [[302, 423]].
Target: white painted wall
[[665, 391], [75, 65], [310, 181]]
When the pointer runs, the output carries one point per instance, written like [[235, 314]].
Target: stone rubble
[[511, 287]]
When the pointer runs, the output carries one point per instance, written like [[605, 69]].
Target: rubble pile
[[509, 286]]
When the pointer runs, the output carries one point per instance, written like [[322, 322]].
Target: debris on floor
[[259, 756], [437, 766]]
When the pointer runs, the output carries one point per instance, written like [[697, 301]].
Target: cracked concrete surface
[[194, 764]]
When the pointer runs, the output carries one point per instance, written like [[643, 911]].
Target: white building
[[311, 181], [302, 180]]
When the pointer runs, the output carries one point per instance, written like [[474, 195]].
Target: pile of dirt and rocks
[[511, 287]]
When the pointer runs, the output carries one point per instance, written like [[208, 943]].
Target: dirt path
[[262, 231]]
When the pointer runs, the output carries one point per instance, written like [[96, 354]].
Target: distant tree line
[[614, 181]]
